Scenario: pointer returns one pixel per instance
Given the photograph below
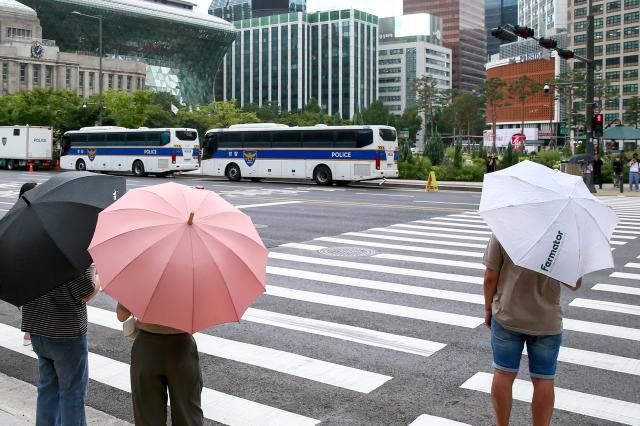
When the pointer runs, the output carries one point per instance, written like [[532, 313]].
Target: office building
[[410, 47], [617, 40], [236, 10], [181, 49], [463, 32], [546, 17], [498, 13], [290, 58], [27, 61]]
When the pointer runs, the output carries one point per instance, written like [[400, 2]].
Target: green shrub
[[416, 167], [549, 158], [434, 149]]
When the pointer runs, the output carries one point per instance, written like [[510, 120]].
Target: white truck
[[21, 145]]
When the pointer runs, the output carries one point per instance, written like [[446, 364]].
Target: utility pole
[[590, 79]]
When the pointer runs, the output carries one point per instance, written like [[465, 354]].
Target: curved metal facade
[[182, 50]]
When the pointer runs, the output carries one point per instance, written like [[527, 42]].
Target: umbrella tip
[[190, 222]]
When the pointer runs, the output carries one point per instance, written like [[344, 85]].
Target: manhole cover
[[347, 252]]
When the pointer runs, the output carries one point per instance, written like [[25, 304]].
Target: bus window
[[257, 140], [365, 138], [116, 139], [66, 145], [318, 139], [185, 135], [155, 139], [345, 139], [286, 140], [78, 140], [96, 139], [210, 146], [135, 139], [230, 140], [388, 135]]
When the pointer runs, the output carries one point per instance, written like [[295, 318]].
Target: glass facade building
[[463, 32], [546, 17], [497, 13], [236, 10], [181, 49], [290, 58]]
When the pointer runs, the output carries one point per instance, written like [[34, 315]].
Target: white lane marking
[[467, 215], [429, 234], [600, 360], [280, 203], [432, 261], [378, 268], [567, 400], [348, 333], [624, 237], [217, 406], [377, 307], [617, 289], [4, 210], [300, 246], [427, 420], [625, 275], [270, 359], [601, 329], [377, 285], [400, 247], [446, 202], [602, 305], [617, 243], [441, 229], [387, 195], [458, 225], [632, 265], [455, 219], [371, 234]]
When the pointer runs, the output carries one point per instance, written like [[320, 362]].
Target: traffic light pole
[[590, 79]]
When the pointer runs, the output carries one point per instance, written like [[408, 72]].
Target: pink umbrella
[[179, 257]]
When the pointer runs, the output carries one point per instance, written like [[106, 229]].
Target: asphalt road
[[373, 316]]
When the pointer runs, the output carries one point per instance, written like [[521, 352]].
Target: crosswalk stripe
[[427, 420], [271, 359], [629, 222], [455, 219], [624, 231], [625, 275], [378, 268], [453, 224], [301, 246], [624, 237], [431, 261], [443, 230], [400, 247], [279, 203], [377, 307], [349, 333], [377, 285], [602, 305], [429, 234], [632, 265], [416, 240], [600, 360], [217, 406], [466, 215], [617, 243], [625, 227], [567, 400], [617, 289], [601, 329]]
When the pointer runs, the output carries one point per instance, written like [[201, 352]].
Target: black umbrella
[[580, 158], [45, 236]]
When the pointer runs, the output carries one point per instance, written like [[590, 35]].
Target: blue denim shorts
[[507, 348]]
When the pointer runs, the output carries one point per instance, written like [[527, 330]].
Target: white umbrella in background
[[548, 221]]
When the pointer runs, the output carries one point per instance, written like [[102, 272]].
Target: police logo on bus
[[250, 157]]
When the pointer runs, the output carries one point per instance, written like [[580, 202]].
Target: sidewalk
[[18, 406]]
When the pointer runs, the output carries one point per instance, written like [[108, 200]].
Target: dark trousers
[[161, 362], [597, 178]]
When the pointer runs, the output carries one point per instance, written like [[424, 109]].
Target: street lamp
[[100, 82]]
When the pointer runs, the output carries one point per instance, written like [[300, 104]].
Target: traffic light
[[524, 32], [504, 34], [548, 43], [597, 125], [565, 53]]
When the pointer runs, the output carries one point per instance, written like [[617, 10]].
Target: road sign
[[403, 134]]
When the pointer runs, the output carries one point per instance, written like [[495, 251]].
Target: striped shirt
[[61, 313]]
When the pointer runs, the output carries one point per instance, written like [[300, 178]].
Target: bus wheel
[[10, 165], [138, 169], [322, 175], [81, 166], [233, 172]]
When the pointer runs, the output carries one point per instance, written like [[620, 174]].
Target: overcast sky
[[377, 7]]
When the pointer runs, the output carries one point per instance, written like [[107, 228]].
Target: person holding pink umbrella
[[179, 260]]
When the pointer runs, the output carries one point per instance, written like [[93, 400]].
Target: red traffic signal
[[566, 54], [548, 43], [597, 125], [599, 118], [524, 32]]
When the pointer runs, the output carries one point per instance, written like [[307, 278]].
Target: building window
[[390, 98], [67, 78], [396, 52], [613, 20], [630, 89], [613, 48], [630, 75], [631, 3], [110, 85], [630, 32], [92, 81], [23, 73], [5, 72], [580, 39], [613, 62], [631, 46], [631, 60], [610, 117], [597, 36], [383, 53], [48, 75], [614, 6], [580, 12], [120, 86], [18, 32], [580, 26], [613, 75], [613, 34], [35, 75], [631, 17], [390, 89], [390, 61], [612, 103], [81, 82], [390, 80], [598, 22], [129, 83], [390, 70]]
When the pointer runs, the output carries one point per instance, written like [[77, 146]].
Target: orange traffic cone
[[30, 167], [57, 166]]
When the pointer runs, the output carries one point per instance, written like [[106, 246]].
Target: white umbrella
[[548, 221]]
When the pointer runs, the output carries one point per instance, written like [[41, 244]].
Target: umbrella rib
[[608, 238], [531, 184], [145, 227], [524, 203], [164, 200]]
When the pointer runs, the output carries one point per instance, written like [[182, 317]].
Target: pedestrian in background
[[597, 170], [587, 171], [521, 307], [618, 171], [634, 170], [164, 358], [492, 164]]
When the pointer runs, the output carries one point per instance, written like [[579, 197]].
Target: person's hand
[[487, 318]]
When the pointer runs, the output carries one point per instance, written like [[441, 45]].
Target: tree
[[631, 112], [429, 99], [434, 149], [521, 89], [467, 113], [377, 113], [493, 91], [410, 119]]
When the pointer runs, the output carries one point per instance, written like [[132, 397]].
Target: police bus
[[140, 151], [325, 154]]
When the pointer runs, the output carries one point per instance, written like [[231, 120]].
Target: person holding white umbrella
[[549, 231]]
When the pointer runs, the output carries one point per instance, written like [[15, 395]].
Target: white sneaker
[[26, 342]]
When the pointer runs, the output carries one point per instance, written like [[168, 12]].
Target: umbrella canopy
[[179, 257], [622, 133], [580, 158], [45, 235], [548, 221]]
